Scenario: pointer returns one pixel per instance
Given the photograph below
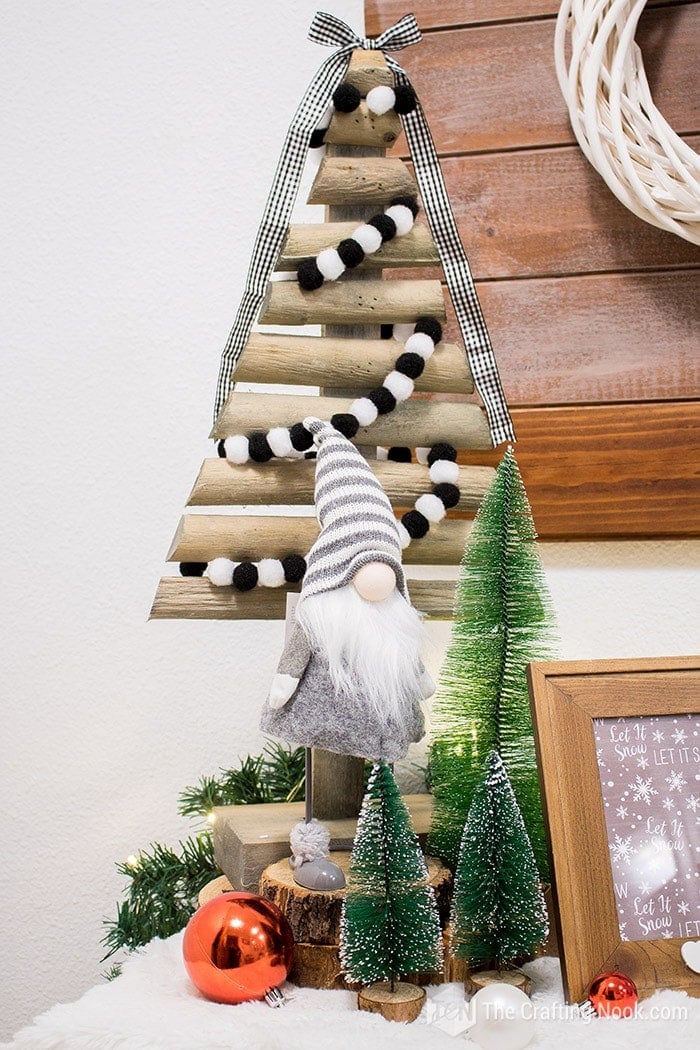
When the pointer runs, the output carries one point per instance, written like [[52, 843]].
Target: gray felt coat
[[316, 716]]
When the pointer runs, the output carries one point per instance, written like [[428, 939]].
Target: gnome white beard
[[372, 648]]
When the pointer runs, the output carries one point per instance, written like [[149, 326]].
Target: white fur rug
[[154, 1005]]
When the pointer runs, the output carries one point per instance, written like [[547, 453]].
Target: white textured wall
[[142, 137]]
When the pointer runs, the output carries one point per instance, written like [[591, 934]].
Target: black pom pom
[[308, 275], [300, 437], [221, 450], [346, 98], [442, 451], [192, 568], [258, 447], [294, 568], [429, 326], [317, 137], [310, 455], [350, 252], [386, 331], [408, 202], [410, 365], [385, 224], [383, 400], [346, 423], [415, 524], [245, 576], [448, 493], [406, 100], [399, 454]]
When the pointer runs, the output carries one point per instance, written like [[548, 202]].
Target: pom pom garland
[[431, 507], [405, 99], [346, 97], [421, 344], [364, 410], [399, 454], [383, 399], [245, 576], [236, 448], [294, 567], [443, 470], [220, 572], [280, 442], [380, 100], [271, 573], [328, 265], [441, 451], [429, 326], [401, 386], [193, 568]]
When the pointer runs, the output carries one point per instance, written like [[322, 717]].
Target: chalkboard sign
[[650, 775]]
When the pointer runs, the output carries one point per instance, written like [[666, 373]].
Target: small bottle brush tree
[[498, 909], [502, 621], [390, 923]]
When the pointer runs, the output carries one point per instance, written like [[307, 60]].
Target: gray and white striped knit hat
[[357, 523]]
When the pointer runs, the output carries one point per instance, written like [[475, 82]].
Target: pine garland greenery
[[164, 883], [498, 908], [390, 924], [503, 620]]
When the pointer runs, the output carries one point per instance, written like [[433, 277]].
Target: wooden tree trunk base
[[403, 1004], [473, 982]]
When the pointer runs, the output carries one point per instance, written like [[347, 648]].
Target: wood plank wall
[[593, 313]]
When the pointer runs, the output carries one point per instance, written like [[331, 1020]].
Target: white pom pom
[[381, 99], [401, 386], [402, 216], [420, 343], [364, 411], [270, 573], [402, 331], [368, 237], [330, 264], [309, 841], [279, 441], [431, 507], [220, 572], [422, 456], [444, 470], [404, 535], [236, 448], [382, 454]]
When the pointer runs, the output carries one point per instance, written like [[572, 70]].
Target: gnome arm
[[425, 684], [291, 667]]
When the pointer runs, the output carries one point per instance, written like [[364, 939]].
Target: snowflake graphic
[[676, 782], [642, 791], [644, 888], [683, 907], [642, 762], [658, 736], [621, 849], [693, 803], [679, 736], [621, 812], [601, 760], [667, 934], [667, 803]]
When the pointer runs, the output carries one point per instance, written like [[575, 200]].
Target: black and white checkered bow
[[333, 32]]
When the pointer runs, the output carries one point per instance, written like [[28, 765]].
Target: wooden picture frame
[[566, 698]]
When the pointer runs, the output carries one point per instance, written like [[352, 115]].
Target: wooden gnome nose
[[374, 581]]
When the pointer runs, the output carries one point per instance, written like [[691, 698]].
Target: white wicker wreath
[[644, 162]]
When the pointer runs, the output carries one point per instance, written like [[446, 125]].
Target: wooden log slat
[[357, 363], [361, 180], [609, 337], [195, 599], [222, 484], [416, 248], [598, 471], [363, 128], [201, 537], [353, 302], [367, 69], [455, 72], [414, 423]]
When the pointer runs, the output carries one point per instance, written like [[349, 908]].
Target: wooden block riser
[[359, 364], [367, 69], [367, 181], [415, 248], [181, 598], [353, 302], [362, 128], [202, 537], [414, 423]]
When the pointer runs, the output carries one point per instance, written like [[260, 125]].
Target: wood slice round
[[214, 889], [314, 915], [474, 981], [403, 1004]]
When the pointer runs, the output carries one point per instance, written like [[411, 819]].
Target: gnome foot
[[322, 874]]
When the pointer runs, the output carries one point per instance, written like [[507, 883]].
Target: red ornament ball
[[613, 995], [237, 947]]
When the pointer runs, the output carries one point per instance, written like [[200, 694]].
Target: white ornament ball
[[364, 411], [381, 99], [270, 573], [420, 343], [236, 448], [220, 572], [403, 218], [368, 237], [280, 442], [330, 264], [431, 507], [399, 385], [444, 470], [503, 1018]]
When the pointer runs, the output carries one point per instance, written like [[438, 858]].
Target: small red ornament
[[613, 995], [237, 947]]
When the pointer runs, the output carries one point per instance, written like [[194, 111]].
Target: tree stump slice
[[315, 915], [214, 889], [473, 982], [403, 1004]]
